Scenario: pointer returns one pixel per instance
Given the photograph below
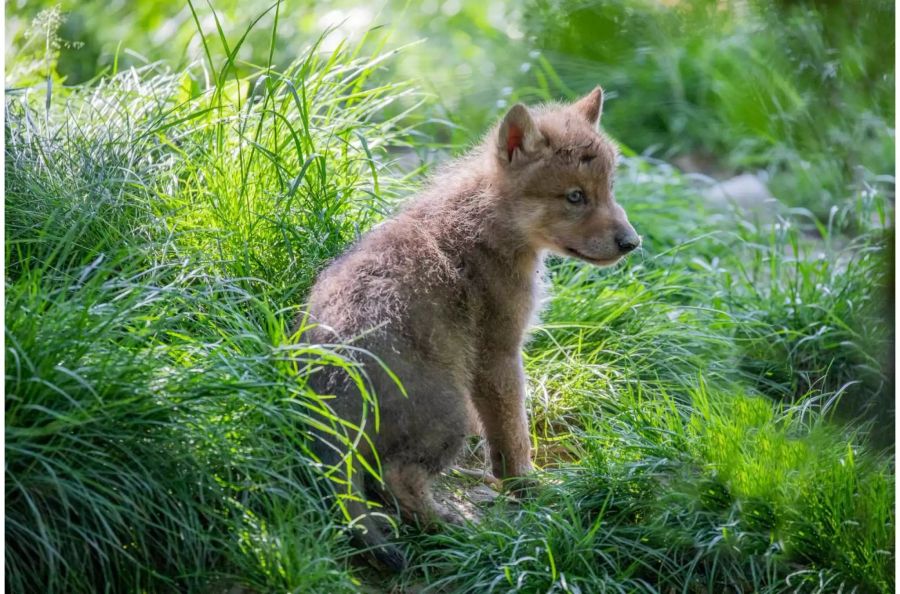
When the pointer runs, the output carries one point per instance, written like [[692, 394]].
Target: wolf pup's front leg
[[499, 397]]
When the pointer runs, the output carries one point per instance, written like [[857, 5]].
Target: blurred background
[[799, 93]]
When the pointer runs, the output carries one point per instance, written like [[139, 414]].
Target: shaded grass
[[144, 452]]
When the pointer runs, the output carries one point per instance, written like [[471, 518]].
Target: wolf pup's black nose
[[627, 242]]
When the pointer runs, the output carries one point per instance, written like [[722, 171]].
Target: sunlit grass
[[160, 236]]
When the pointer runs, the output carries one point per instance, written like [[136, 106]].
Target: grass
[[123, 469], [731, 496], [702, 413], [160, 442]]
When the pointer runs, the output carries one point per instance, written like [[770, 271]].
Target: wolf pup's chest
[[503, 302]]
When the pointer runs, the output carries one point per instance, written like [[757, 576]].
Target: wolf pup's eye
[[575, 196]]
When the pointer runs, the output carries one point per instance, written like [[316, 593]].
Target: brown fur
[[443, 294]]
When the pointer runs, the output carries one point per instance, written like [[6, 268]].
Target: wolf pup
[[443, 292]]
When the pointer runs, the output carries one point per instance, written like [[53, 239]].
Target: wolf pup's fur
[[442, 294]]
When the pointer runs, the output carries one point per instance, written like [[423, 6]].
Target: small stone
[[746, 191]]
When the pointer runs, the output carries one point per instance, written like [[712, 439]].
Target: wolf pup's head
[[555, 170]]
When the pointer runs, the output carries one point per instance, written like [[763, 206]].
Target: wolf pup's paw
[[450, 516], [388, 558], [521, 487]]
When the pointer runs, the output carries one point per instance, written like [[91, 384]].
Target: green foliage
[[798, 89], [811, 315]]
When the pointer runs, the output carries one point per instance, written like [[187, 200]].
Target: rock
[[747, 192], [701, 163]]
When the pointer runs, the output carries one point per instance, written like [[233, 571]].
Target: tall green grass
[[154, 438], [160, 236]]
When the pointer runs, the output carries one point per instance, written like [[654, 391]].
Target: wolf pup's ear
[[518, 134], [590, 106]]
